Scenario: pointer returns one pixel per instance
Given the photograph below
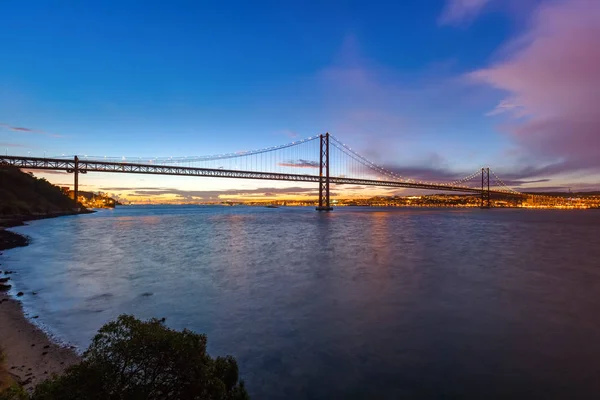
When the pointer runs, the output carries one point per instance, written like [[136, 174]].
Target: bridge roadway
[[84, 166]]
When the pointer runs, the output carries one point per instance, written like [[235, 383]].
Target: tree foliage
[[14, 392], [133, 359], [24, 194]]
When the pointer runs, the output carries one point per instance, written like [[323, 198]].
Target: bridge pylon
[[324, 204], [76, 171], [485, 188]]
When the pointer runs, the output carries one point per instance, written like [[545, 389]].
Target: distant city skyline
[[431, 89]]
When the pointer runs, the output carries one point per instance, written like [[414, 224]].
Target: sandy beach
[[30, 355]]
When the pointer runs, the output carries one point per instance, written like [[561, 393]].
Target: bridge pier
[[324, 204], [485, 188], [76, 171], [76, 183]]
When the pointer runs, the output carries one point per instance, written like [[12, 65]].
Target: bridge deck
[[84, 166]]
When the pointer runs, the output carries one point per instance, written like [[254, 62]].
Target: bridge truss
[[332, 162]]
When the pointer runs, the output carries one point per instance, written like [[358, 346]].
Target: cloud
[[5, 144], [552, 87], [27, 130], [383, 111], [461, 11], [190, 195], [46, 172], [507, 106], [442, 174], [427, 174], [126, 189], [289, 133], [583, 187], [299, 164]]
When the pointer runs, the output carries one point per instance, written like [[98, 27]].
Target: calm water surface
[[353, 304]]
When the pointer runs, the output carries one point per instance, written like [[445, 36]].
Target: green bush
[[14, 392], [133, 359]]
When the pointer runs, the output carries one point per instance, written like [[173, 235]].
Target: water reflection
[[357, 303]]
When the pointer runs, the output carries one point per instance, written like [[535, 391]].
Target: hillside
[[23, 195]]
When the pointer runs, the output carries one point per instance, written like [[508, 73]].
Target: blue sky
[[148, 78]]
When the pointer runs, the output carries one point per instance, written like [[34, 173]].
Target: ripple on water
[[357, 303]]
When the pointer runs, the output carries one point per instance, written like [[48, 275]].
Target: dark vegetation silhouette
[[22, 194], [133, 359]]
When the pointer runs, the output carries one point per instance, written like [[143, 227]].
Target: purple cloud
[[552, 87], [27, 130], [299, 164]]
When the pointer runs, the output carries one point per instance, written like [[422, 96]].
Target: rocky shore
[[30, 356]]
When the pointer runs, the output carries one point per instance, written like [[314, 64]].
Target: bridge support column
[[324, 204], [75, 171], [485, 188], [76, 183]]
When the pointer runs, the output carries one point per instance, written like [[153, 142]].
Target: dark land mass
[[28, 355], [22, 194], [23, 197]]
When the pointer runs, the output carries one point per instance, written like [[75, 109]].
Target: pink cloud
[[552, 83], [458, 11], [299, 164]]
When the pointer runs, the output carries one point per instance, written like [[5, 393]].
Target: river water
[[354, 304]]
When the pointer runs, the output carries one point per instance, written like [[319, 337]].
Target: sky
[[430, 89]]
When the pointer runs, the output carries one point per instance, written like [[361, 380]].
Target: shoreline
[[31, 355]]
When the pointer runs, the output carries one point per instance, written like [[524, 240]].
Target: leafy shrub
[[133, 359], [14, 392]]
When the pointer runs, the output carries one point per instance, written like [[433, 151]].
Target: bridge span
[[378, 176]]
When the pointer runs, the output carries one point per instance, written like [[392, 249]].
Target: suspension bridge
[[323, 159]]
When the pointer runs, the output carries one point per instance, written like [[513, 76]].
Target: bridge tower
[[76, 171], [485, 188], [76, 185], [324, 204]]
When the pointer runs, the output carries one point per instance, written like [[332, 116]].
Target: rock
[[33, 345], [4, 288], [44, 353], [47, 346], [4, 280], [19, 294], [146, 294], [34, 293], [35, 317]]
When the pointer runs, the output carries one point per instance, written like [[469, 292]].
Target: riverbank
[[30, 356], [9, 240], [8, 221]]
